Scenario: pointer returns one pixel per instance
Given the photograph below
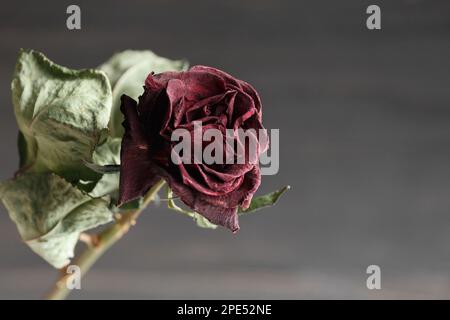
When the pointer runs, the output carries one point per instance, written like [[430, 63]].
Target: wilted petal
[[229, 79], [136, 170], [199, 84], [248, 89], [223, 216]]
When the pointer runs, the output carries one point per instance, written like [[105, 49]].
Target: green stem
[[104, 241]]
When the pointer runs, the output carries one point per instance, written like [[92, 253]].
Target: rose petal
[[152, 110], [229, 79], [195, 111], [242, 195], [136, 170], [237, 197], [248, 89], [216, 214], [244, 108], [199, 85], [220, 186], [229, 172], [217, 209]]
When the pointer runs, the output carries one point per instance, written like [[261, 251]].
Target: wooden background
[[364, 119]]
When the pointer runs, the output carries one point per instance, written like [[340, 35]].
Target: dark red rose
[[173, 100]]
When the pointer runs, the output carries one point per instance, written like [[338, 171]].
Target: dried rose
[[174, 100]]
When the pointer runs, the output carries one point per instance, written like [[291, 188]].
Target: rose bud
[[179, 100]]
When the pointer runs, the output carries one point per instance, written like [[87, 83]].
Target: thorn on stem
[[90, 240]]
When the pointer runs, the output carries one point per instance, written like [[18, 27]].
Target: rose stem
[[104, 241]]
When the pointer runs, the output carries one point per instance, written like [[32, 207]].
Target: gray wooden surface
[[364, 120]]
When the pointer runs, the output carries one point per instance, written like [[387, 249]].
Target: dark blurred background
[[364, 119]]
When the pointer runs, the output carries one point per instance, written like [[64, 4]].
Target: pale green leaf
[[201, 221], [50, 213], [61, 113], [103, 169], [264, 201], [107, 153], [127, 71]]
